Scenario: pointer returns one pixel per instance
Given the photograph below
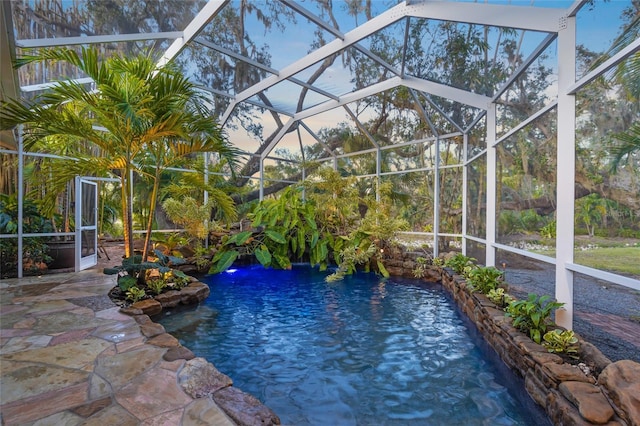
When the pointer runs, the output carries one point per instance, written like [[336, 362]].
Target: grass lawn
[[621, 260]]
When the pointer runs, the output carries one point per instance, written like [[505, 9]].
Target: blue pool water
[[363, 351]]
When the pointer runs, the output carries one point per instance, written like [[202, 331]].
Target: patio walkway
[[68, 356]]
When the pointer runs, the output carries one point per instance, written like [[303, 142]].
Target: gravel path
[[606, 315]]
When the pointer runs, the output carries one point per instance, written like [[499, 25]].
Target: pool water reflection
[[363, 351]]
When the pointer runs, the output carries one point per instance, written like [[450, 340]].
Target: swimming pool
[[363, 351]]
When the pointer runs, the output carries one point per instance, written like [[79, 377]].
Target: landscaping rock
[[621, 382], [131, 311], [169, 299], [200, 378], [148, 307], [589, 352], [194, 293], [244, 409], [151, 329], [179, 352], [565, 372], [591, 403], [164, 340]]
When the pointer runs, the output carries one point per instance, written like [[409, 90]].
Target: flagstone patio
[[68, 356]]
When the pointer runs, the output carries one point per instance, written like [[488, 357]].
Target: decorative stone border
[[609, 395]]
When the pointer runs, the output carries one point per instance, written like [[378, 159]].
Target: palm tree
[[135, 112]]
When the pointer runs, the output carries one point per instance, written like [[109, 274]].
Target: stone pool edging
[[610, 395], [197, 377]]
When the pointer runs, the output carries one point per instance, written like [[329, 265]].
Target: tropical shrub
[[34, 248], [324, 227], [133, 271], [135, 294], [484, 279], [532, 316], [499, 297], [420, 269], [549, 230], [562, 342], [459, 262], [157, 285]]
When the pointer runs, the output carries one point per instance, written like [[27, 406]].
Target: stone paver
[[64, 363]]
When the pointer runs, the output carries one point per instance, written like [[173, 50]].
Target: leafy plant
[[34, 248], [161, 121], [421, 267], [133, 269], [135, 294], [549, 230], [484, 279], [459, 262], [499, 297], [351, 257], [532, 316], [157, 286], [561, 342]]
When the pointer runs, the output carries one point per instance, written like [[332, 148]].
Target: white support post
[[20, 266], [565, 177], [261, 178], [465, 166], [205, 195], [436, 198], [491, 186], [378, 171]]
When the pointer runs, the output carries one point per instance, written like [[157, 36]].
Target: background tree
[[137, 112]]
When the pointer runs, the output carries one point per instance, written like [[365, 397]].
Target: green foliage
[[191, 215], [34, 249], [170, 242], [154, 115], [165, 262], [561, 342], [157, 286], [202, 258], [532, 316], [325, 227], [135, 294], [459, 262], [133, 269], [176, 279], [126, 282], [499, 297], [421, 267], [352, 256], [484, 279], [549, 230]]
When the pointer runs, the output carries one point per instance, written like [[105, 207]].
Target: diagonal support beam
[[193, 29], [317, 138], [361, 127], [389, 17], [116, 38], [545, 19]]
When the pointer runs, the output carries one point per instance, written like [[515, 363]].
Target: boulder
[[164, 340], [169, 299], [148, 307], [178, 352], [621, 383], [199, 378], [591, 403], [244, 409], [194, 293]]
